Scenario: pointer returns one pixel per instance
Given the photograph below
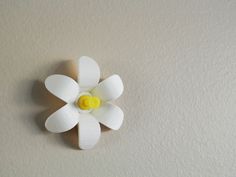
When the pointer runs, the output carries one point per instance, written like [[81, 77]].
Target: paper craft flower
[[88, 103]]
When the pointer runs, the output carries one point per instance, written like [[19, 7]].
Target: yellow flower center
[[87, 102]]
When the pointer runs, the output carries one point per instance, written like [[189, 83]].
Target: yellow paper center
[[87, 102]]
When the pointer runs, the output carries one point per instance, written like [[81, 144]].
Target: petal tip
[[110, 116], [62, 120], [90, 60], [63, 87], [119, 80], [49, 128], [120, 122], [109, 89], [119, 125], [86, 147], [88, 72], [89, 132]]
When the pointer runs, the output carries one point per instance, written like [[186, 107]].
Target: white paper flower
[[88, 103]]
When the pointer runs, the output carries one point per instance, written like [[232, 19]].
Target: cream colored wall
[[178, 63]]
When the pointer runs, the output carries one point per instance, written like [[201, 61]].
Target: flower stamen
[[87, 102]]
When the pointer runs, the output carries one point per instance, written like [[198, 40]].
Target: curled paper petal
[[89, 131], [86, 103], [63, 119], [109, 115], [109, 89], [63, 87], [89, 73]]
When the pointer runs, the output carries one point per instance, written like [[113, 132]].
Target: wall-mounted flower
[[87, 103]]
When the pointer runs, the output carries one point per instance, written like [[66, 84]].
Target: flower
[[87, 103]]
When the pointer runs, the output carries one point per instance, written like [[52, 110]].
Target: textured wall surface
[[178, 63]]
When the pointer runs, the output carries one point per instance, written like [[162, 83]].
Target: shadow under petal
[[68, 68], [70, 138], [104, 128], [40, 119], [42, 96]]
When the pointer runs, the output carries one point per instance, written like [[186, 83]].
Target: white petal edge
[[88, 73], [109, 115], [62, 87], [63, 119], [89, 131], [109, 89]]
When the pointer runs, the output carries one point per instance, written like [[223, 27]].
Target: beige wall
[[178, 63]]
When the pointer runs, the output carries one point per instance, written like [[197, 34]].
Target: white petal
[[89, 73], [109, 89], [63, 87], [109, 115], [63, 119], [89, 131]]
